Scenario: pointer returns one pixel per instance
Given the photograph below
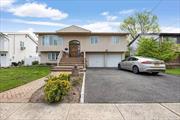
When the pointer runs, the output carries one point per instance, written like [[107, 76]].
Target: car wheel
[[119, 67], [135, 70], [155, 73]]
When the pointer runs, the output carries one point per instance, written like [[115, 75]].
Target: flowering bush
[[57, 87]]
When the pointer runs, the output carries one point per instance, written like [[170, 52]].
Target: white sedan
[[142, 64]]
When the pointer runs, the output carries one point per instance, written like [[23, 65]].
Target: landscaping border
[[83, 88]]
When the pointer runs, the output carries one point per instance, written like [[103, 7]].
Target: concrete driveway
[[117, 86]]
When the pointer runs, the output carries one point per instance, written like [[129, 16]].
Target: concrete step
[[66, 68], [71, 64]]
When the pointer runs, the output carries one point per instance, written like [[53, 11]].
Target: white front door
[[95, 60], [113, 60], [3, 60]]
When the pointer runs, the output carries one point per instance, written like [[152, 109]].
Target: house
[[160, 37], [75, 45], [17, 47], [174, 37]]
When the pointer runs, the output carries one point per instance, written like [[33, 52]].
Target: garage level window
[[53, 56], [115, 39], [94, 40]]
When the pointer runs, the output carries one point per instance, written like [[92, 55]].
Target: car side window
[[129, 59], [132, 59]]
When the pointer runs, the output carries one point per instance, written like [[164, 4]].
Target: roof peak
[[73, 28]]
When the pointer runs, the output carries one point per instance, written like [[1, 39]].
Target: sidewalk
[[22, 93], [41, 111]]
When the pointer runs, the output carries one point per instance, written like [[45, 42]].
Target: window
[[52, 40], [53, 56], [178, 40], [94, 40], [115, 40], [22, 45], [132, 59], [3, 54]]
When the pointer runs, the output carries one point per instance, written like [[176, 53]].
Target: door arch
[[74, 48]]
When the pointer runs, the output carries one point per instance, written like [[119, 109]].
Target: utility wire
[[156, 6]]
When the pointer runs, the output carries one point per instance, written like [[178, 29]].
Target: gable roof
[[73, 29]]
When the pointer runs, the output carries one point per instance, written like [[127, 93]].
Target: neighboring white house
[[15, 47]]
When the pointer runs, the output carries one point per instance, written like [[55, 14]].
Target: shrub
[[55, 90], [64, 76], [35, 62], [61, 76]]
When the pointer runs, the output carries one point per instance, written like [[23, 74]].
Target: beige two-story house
[[94, 49]]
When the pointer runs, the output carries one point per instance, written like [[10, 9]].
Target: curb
[[83, 89]]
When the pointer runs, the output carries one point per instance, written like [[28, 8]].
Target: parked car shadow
[[141, 73]]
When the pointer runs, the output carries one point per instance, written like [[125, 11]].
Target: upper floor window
[[175, 40], [94, 40], [115, 39], [22, 47], [52, 40]]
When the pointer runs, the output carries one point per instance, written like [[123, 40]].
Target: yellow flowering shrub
[[57, 87]]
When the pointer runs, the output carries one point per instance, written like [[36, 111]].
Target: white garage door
[[95, 60], [112, 60]]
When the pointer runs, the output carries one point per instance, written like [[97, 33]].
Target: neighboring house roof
[[22, 33], [159, 34], [4, 35], [79, 30]]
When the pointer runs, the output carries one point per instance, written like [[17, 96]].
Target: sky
[[95, 15]]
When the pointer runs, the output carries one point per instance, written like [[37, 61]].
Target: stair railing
[[84, 59], [59, 57]]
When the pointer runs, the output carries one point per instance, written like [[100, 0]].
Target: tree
[[140, 22], [148, 47]]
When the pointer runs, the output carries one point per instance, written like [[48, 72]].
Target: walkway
[[42, 111], [22, 93]]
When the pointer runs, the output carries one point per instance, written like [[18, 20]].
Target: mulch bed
[[72, 97]]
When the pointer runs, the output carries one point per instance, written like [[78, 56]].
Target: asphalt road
[[118, 86]]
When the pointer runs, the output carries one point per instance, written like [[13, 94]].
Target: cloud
[[126, 12], [170, 29], [102, 26], [105, 13], [27, 30], [109, 17], [37, 10], [39, 23], [6, 3]]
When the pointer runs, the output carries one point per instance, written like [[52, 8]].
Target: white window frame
[[52, 56], [52, 40], [94, 40], [115, 40]]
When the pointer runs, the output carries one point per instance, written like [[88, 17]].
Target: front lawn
[[13, 77], [175, 71]]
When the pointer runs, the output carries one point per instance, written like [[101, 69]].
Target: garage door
[[95, 60], [112, 60]]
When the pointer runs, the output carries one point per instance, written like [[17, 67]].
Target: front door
[[74, 48], [3, 60]]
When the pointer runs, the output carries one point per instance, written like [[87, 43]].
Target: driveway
[[117, 86]]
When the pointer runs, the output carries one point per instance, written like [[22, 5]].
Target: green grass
[[175, 71], [13, 77]]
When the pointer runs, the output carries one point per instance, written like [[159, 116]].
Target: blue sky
[[96, 15]]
